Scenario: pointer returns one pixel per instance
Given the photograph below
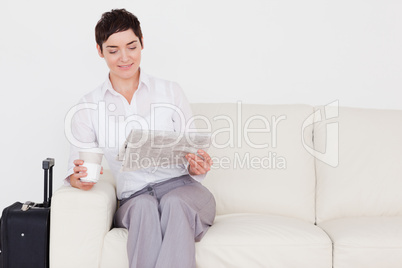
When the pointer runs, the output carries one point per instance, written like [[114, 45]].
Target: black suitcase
[[24, 229]]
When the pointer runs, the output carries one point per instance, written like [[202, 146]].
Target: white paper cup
[[92, 161]]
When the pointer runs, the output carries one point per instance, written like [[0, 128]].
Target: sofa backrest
[[367, 180], [260, 162]]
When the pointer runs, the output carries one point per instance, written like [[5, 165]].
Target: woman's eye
[[132, 48], [112, 52]]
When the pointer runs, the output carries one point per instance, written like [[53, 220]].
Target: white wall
[[254, 51]]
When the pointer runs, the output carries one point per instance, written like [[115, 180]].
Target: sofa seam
[[366, 247]]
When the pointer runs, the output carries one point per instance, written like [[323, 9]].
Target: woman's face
[[122, 53]]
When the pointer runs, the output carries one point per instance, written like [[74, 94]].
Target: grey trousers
[[164, 221]]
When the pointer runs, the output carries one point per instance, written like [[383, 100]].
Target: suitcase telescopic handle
[[47, 166]]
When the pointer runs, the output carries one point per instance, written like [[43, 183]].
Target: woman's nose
[[124, 56]]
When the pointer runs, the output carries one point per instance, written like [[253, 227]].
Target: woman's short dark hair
[[117, 20]]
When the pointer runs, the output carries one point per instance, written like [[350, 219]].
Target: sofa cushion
[[369, 242], [255, 240], [279, 177], [245, 240], [367, 181], [114, 251]]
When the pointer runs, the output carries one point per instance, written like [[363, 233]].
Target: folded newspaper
[[158, 148]]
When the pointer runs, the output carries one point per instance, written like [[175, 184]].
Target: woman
[[165, 210]]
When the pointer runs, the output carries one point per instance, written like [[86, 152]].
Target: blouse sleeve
[[79, 132]]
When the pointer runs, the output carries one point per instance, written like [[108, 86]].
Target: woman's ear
[[99, 51], [142, 42]]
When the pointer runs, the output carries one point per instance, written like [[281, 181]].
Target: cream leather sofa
[[295, 185]]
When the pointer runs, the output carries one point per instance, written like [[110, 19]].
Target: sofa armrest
[[79, 223]]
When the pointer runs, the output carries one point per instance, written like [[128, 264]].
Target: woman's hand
[[80, 172], [199, 165]]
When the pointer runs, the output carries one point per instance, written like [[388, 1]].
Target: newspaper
[[158, 148]]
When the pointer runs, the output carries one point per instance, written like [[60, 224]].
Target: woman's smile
[[125, 67]]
